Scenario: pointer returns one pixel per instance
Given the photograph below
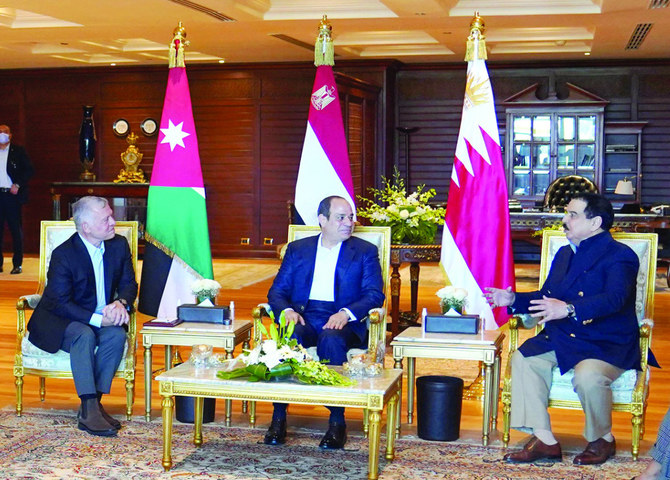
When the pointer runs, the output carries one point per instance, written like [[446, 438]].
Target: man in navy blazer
[[90, 289], [326, 285], [587, 306], [15, 171]]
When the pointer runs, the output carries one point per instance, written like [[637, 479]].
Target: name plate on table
[[437, 323], [190, 312]]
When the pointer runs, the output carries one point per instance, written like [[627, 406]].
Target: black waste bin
[[439, 401], [185, 409]]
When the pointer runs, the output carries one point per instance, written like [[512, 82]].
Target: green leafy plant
[[411, 218], [279, 355]]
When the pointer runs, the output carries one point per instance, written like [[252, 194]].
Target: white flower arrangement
[[267, 353], [205, 288], [452, 297], [410, 217]]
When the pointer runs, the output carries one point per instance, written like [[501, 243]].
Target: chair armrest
[[513, 325], [646, 326], [28, 301], [376, 315], [260, 311]]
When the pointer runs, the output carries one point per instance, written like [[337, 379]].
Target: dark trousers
[[93, 370], [331, 345], [10, 212]]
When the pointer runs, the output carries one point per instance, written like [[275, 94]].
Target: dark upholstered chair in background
[[560, 191]]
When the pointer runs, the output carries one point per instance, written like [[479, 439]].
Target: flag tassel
[[324, 52], [177, 46], [476, 46]]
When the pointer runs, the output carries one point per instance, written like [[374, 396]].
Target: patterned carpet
[[47, 445]]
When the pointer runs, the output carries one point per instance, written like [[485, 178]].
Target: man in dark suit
[[326, 285], [587, 306], [15, 171], [86, 304]]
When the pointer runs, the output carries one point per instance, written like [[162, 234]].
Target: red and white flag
[[324, 163], [476, 241]]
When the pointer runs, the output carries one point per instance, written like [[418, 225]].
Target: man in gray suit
[[86, 304]]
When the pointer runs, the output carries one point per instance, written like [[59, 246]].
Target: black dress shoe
[[335, 437], [16, 270], [276, 434]]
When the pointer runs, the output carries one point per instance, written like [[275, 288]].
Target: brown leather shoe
[[596, 452], [535, 449]]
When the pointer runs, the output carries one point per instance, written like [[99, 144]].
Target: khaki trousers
[[531, 381]]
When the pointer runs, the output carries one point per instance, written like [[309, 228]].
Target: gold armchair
[[378, 236], [630, 390], [30, 360]]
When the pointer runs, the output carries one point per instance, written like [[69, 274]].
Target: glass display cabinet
[[552, 138]]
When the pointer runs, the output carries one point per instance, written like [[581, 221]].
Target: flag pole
[[476, 50]]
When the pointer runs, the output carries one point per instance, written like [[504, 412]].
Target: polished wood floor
[[567, 424]]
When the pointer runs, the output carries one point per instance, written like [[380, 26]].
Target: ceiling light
[[222, 61], [587, 53]]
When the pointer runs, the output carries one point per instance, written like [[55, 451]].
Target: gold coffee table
[[485, 347], [187, 334], [369, 393]]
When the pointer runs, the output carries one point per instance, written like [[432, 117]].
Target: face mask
[[4, 138]]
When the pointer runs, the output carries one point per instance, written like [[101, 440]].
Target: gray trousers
[[93, 370], [531, 381]]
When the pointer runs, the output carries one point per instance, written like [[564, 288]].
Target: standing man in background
[[15, 171]]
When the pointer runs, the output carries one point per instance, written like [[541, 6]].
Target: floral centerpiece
[[452, 298], [279, 355], [410, 217], [205, 288]]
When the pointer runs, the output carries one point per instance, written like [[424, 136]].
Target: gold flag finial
[[476, 46], [177, 46], [323, 49]]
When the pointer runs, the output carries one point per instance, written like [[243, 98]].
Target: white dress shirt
[[96, 254], [5, 181]]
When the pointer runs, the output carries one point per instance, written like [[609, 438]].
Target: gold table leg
[[411, 362], [374, 418], [252, 414], [392, 413], [229, 402], [147, 383], [197, 421], [488, 402], [168, 405]]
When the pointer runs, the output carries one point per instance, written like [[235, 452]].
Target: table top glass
[[199, 327], [187, 372], [416, 334]]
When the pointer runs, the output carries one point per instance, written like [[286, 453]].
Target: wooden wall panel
[[431, 98], [283, 128], [250, 123]]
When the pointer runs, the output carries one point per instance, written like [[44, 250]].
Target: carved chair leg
[[636, 420], [506, 409], [19, 395], [130, 397], [43, 389]]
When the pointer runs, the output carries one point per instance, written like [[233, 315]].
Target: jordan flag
[[476, 241], [324, 163], [177, 250]]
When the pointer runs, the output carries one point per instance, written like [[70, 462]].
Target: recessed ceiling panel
[[17, 18], [309, 9], [466, 8]]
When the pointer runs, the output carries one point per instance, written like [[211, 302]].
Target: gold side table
[[187, 334], [485, 347]]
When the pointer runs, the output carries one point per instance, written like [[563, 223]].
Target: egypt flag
[[476, 241], [324, 163], [177, 250]]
